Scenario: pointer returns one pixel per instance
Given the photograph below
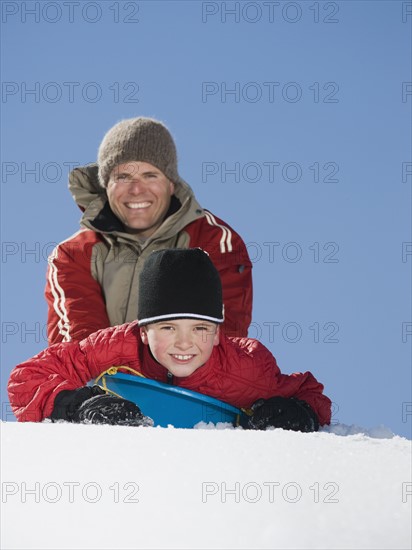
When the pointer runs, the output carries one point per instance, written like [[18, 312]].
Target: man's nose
[[136, 186]]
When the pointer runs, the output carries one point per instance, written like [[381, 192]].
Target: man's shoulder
[[83, 236], [75, 246], [211, 232], [208, 219]]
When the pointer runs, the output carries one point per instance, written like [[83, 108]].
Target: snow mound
[[378, 432], [102, 487]]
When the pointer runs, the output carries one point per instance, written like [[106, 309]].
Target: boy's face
[[182, 345]]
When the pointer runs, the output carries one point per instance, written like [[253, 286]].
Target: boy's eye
[[203, 328], [166, 327]]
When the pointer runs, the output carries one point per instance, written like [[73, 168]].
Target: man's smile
[[137, 205]]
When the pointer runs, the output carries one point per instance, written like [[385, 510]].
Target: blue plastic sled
[[170, 405]]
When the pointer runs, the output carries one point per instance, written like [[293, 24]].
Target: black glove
[[91, 405], [281, 412]]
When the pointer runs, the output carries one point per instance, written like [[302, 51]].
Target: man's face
[[181, 346], [139, 194]]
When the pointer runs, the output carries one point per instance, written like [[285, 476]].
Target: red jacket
[[92, 279], [239, 371], [79, 304]]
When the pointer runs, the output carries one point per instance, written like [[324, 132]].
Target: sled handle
[[111, 371]]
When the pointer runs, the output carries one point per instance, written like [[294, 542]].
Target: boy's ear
[[216, 337], [143, 335]]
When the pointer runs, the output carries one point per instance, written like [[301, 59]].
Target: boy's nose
[[183, 341]]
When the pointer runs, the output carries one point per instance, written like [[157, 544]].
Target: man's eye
[[202, 328], [166, 327]]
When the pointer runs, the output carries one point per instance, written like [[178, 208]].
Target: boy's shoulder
[[244, 345], [113, 334], [245, 359]]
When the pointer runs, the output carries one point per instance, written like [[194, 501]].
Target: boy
[[177, 339]]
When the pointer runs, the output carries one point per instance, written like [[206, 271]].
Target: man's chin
[[142, 230], [137, 229]]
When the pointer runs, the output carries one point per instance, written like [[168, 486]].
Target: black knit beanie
[[138, 139], [179, 284]]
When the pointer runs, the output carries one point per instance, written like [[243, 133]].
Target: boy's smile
[[181, 345]]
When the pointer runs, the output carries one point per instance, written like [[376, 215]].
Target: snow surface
[[74, 486]]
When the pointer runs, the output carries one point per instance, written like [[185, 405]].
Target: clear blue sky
[[292, 122]]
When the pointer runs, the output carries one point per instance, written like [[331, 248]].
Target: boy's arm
[[294, 402], [34, 384], [261, 379], [305, 387], [76, 306], [299, 385]]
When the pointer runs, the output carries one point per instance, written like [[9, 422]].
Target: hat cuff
[[172, 316]]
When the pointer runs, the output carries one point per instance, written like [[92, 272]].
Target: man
[[135, 202]]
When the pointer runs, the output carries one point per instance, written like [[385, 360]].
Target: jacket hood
[[85, 187], [92, 200]]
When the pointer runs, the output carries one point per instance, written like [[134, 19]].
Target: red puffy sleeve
[[250, 372], [34, 384]]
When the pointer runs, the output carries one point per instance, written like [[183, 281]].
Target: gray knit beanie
[[138, 139]]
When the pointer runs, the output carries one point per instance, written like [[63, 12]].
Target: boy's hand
[[281, 412], [91, 405]]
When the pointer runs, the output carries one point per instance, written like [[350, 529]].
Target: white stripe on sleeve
[[226, 239]]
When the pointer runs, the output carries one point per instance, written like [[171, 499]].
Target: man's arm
[[229, 254], [76, 306], [237, 296]]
